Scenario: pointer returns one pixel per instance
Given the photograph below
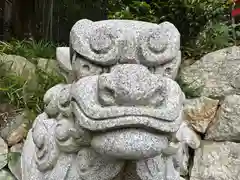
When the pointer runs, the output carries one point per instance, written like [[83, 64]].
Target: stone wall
[[214, 114]]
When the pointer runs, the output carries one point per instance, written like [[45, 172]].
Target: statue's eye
[[106, 69], [101, 41], [160, 45], [157, 42], [82, 67]]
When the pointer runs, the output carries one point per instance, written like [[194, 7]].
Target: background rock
[[3, 154], [216, 161], [199, 112], [226, 125], [184, 156], [17, 135], [186, 135], [20, 68], [188, 138], [215, 75], [17, 148], [14, 161], [49, 66], [15, 130], [6, 175]]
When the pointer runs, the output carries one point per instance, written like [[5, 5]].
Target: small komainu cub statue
[[117, 116]]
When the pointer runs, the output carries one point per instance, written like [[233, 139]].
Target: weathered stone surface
[[216, 160], [49, 66], [199, 112], [94, 165], [6, 175], [14, 164], [17, 148], [187, 138], [3, 153], [214, 75], [17, 135], [117, 144], [18, 66], [130, 172], [63, 57], [106, 42], [187, 135], [64, 62], [14, 160], [183, 157], [124, 112], [55, 97], [226, 125], [159, 167], [123, 105], [45, 155], [20, 70]]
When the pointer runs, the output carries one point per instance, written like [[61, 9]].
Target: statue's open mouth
[[125, 107], [94, 117]]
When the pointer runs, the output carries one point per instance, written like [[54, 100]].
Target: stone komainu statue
[[117, 117]]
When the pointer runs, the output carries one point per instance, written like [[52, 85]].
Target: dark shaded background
[[46, 19]]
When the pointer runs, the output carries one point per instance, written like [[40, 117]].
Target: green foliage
[[204, 25], [34, 98], [29, 48], [19, 92], [214, 36], [136, 10]]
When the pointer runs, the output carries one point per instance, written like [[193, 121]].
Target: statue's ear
[[63, 58], [64, 62]]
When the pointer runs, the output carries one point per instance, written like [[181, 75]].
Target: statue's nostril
[[86, 67], [152, 69], [107, 96], [110, 91]]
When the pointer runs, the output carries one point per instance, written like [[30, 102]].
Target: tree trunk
[[2, 8], [23, 15]]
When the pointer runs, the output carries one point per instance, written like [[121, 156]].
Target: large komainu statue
[[118, 117]]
